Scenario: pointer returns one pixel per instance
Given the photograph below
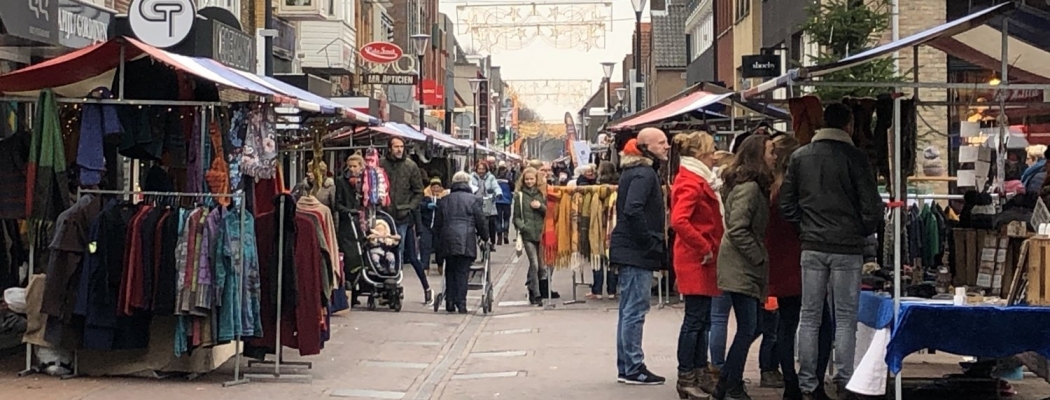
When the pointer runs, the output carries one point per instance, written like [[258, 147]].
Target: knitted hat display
[[932, 164]]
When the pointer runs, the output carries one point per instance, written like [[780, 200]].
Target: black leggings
[[493, 224]]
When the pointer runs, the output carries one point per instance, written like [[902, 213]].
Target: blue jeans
[[634, 304], [720, 307], [745, 308], [610, 279], [407, 247], [828, 279], [692, 339]]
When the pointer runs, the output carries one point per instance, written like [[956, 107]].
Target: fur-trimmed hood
[[430, 193], [628, 161]]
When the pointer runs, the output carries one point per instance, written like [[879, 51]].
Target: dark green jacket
[[743, 263], [406, 188], [527, 220]]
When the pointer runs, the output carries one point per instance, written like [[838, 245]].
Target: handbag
[[519, 245]]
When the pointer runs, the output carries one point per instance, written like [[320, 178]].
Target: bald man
[[637, 248]]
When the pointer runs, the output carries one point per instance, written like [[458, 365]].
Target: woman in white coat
[[484, 184]]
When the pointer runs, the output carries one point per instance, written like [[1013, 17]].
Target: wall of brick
[[917, 16]]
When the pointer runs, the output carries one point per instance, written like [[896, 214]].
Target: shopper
[[406, 192], [485, 186], [696, 217], [427, 209], [637, 248], [530, 208], [586, 175], [348, 233], [785, 280], [829, 193], [605, 278], [459, 223], [505, 179], [743, 264]]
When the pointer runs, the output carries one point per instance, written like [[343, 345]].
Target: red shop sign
[[433, 94], [381, 52]]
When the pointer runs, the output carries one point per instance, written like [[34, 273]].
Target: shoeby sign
[[381, 52], [760, 66]]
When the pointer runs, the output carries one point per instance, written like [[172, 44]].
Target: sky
[[540, 60]]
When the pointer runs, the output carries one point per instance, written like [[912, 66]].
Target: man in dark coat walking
[[637, 248], [406, 192]]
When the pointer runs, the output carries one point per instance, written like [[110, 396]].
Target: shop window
[[299, 3], [743, 8]]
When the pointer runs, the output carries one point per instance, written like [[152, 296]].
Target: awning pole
[[898, 189], [1003, 121], [120, 70]]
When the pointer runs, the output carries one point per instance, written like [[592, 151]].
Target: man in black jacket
[[830, 194], [406, 192], [637, 248]]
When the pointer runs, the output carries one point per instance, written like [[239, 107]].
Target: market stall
[[199, 161]]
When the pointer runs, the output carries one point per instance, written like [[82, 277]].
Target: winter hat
[[631, 148], [932, 166]]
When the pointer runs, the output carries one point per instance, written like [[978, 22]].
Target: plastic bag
[[16, 299]]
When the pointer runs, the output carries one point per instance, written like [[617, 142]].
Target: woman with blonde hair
[[529, 208], [696, 217]]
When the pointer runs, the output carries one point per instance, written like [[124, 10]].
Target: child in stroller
[[383, 248]]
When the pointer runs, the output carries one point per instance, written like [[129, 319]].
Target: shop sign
[[284, 43], [483, 110], [69, 23], [381, 52], [760, 66], [162, 23], [433, 94], [388, 79], [231, 47]]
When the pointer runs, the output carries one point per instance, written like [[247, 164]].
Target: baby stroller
[[381, 277], [484, 284]]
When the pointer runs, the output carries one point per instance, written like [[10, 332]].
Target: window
[[299, 3], [743, 8], [331, 8]]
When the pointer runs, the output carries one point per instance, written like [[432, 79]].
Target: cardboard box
[[1038, 293]]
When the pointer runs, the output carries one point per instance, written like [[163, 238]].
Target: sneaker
[[771, 379], [428, 297], [644, 377]]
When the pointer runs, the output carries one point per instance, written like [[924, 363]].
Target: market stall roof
[[443, 138], [931, 36], [307, 99], [685, 102], [1027, 42], [79, 72]]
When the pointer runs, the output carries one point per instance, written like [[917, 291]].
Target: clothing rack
[[278, 349]]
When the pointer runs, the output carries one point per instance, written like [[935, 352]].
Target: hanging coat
[[47, 186]]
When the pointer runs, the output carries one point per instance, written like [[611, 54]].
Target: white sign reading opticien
[[162, 23]]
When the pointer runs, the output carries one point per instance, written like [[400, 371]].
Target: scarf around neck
[[699, 168]]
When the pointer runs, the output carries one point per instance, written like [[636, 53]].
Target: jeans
[[634, 304], [609, 276], [768, 324], [720, 307], [493, 223], [503, 215], [789, 309], [407, 247], [745, 308], [834, 278], [457, 273], [533, 280], [692, 339]]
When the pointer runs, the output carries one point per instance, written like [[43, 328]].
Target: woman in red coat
[[696, 217]]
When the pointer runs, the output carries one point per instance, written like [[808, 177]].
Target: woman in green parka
[[529, 209]]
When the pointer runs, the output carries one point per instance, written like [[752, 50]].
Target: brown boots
[[689, 385], [707, 378]]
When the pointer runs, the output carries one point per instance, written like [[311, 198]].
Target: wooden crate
[[1038, 292]]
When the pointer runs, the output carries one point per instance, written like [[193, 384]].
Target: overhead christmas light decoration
[[514, 26], [563, 92]]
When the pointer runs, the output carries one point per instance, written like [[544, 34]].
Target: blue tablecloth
[[979, 331]]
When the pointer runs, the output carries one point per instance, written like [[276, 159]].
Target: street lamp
[[620, 92], [419, 41], [638, 5], [607, 69], [475, 84]]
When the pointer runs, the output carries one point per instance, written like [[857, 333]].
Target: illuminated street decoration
[[563, 92], [514, 26]]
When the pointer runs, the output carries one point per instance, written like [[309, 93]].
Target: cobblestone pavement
[[519, 352]]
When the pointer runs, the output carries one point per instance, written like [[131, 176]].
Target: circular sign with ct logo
[[162, 23]]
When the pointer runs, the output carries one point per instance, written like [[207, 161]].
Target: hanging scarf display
[[375, 184], [550, 231], [217, 178], [564, 231], [260, 144], [595, 232], [236, 136], [47, 188]]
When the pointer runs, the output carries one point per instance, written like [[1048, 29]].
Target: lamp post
[[419, 41], [607, 69], [638, 5], [495, 112], [474, 85], [620, 92]]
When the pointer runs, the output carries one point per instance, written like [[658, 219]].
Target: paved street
[[520, 352]]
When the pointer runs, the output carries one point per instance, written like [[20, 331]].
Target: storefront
[[216, 34], [34, 30]]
